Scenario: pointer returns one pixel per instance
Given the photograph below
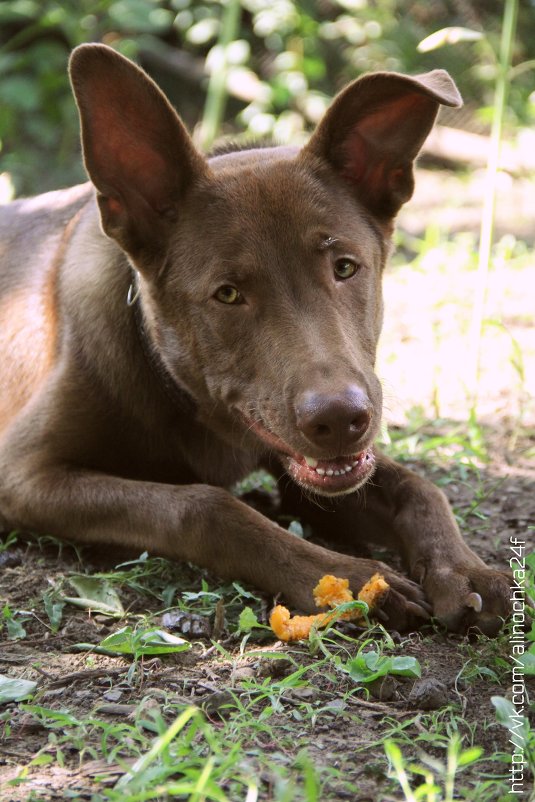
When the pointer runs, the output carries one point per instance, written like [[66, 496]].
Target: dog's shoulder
[[57, 207]]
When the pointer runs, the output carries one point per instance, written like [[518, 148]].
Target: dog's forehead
[[262, 177], [231, 159], [273, 188]]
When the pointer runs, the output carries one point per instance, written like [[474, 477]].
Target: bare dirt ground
[[422, 361]]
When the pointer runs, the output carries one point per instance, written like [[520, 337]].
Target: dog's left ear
[[374, 129]]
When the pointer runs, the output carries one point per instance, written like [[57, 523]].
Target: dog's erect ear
[[374, 129], [136, 150]]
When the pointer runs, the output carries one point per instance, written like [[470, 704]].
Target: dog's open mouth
[[328, 477], [331, 477]]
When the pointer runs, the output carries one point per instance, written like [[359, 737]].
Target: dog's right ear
[[137, 152]]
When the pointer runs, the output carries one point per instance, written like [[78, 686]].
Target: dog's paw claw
[[422, 610], [404, 607], [474, 601]]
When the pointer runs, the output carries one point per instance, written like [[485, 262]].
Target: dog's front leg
[[418, 520], [197, 523]]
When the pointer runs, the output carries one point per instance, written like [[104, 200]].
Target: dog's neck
[[179, 397]]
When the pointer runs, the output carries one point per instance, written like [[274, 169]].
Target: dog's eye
[[345, 268], [229, 295]]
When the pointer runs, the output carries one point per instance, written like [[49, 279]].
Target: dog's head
[[260, 269]]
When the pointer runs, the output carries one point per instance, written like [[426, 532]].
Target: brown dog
[[181, 321]]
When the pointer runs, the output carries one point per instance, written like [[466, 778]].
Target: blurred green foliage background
[[286, 61]]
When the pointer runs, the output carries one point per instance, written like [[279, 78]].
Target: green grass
[[253, 744]]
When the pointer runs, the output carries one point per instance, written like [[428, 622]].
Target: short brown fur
[[250, 342]]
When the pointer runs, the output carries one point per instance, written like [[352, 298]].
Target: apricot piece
[[297, 627], [329, 592], [374, 591]]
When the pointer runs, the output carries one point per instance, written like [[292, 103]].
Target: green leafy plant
[[53, 605], [10, 541], [436, 778], [95, 593], [368, 666], [13, 622], [14, 689], [138, 642]]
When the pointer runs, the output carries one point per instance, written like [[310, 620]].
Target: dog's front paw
[[468, 597], [405, 606]]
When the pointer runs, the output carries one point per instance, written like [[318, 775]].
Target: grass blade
[[160, 744]]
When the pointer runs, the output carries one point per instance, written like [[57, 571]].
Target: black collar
[[179, 397]]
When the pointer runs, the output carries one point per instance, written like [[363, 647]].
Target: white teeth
[[341, 471]]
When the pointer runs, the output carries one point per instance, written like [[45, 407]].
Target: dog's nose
[[334, 421]]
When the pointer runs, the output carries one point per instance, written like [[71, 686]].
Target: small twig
[[377, 706], [14, 753], [219, 620], [80, 676], [16, 661], [50, 677], [224, 643]]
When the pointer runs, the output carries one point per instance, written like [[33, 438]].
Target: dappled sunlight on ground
[[425, 357]]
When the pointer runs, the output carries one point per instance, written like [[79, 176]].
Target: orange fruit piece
[[329, 592]]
